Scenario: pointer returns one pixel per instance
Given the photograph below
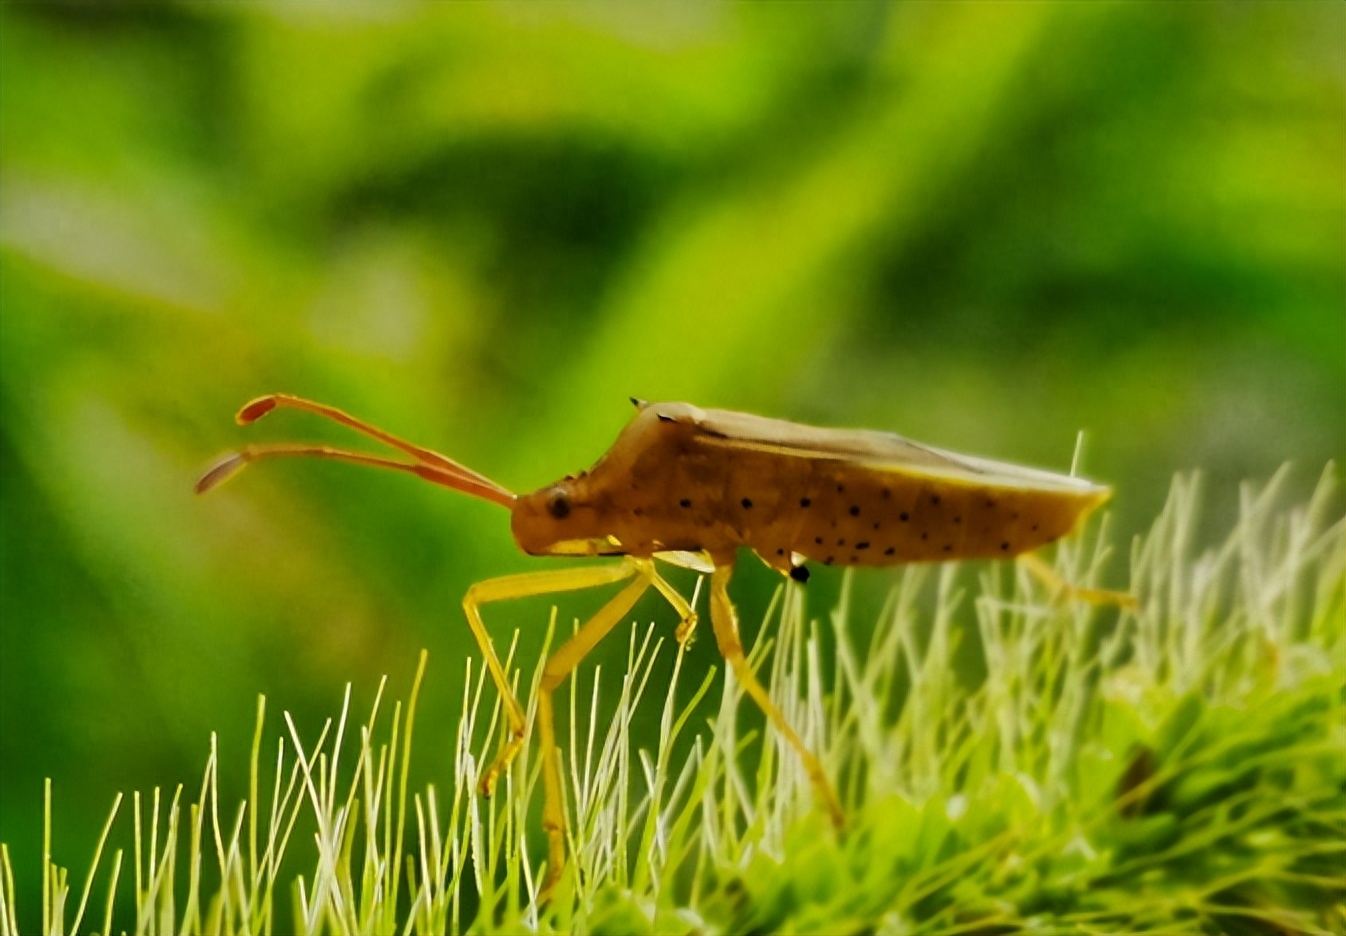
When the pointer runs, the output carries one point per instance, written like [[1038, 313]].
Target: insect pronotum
[[691, 487]]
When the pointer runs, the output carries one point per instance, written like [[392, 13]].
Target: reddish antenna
[[430, 465]]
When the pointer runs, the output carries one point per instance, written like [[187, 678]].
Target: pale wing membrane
[[883, 451], [696, 561]]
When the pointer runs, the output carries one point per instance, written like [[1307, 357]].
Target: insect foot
[[486, 787], [686, 631]]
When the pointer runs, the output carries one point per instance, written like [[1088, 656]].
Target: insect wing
[[696, 561], [881, 451]]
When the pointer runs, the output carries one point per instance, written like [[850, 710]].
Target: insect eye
[[558, 505]]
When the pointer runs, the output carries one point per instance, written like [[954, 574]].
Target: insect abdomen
[[840, 513]]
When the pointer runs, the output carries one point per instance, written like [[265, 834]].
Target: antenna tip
[[220, 472], [255, 409]]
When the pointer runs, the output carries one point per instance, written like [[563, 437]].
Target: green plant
[[1011, 763]]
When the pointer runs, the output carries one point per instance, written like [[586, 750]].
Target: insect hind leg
[[1048, 576]]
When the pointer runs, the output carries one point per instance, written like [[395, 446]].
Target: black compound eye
[[558, 505]]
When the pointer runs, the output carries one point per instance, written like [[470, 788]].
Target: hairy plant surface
[[1179, 768]]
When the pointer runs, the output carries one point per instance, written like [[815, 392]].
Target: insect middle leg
[[724, 621], [687, 616]]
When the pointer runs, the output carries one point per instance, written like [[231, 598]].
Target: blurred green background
[[484, 226]]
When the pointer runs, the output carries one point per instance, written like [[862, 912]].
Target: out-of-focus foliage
[[483, 226]]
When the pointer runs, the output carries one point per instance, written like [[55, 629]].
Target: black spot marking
[[957, 519], [799, 574], [818, 540], [889, 551], [684, 503], [934, 499], [780, 552], [925, 536], [559, 506], [990, 504], [828, 560], [887, 493], [904, 516], [639, 512], [855, 510], [864, 545], [804, 502], [1004, 547], [876, 524], [948, 548], [854, 559], [1035, 526], [747, 503], [840, 488], [841, 542]]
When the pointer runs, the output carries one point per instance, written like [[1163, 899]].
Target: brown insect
[[691, 487]]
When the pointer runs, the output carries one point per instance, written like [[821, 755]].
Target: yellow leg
[[687, 625], [697, 562], [558, 667], [1045, 574], [523, 586], [724, 621]]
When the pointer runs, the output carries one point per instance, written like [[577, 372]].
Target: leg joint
[[552, 677]]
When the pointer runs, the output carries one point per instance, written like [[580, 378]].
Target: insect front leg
[[561, 664], [724, 621], [523, 586]]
